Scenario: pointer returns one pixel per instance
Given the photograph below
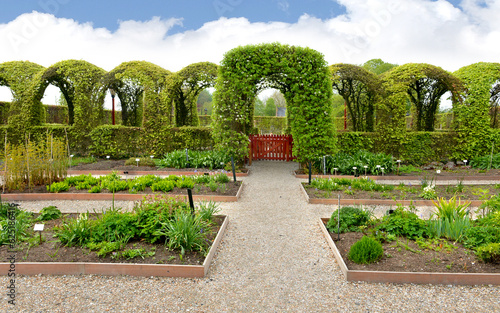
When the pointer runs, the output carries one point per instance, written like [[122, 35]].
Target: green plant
[[105, 247], [49, 213], [75, 232], [184, 232], [134, 253], [350, 219], [142, 162], [446, 209], [435, 244], [163, 185], [481, 235], [403, 223], [58, 187], [489, 253], [95, 189], [366, 250], [428, 193], [21, 230], [221, 178], [114, 225], [207, 210], [212, 185]]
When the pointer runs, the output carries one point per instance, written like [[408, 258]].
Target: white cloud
[[402, 31]]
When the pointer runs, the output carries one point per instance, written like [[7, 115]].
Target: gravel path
[[272, 259]]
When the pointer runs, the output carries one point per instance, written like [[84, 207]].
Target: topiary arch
[[186, 86], [80, 83], [17, 75], [140, 87], [473, 121], [359, 88], [300, 74]]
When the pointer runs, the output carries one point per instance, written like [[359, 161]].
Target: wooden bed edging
[[397, 177], [157, 173], [109, 196], [115, 269], [407, 277], [334, 201]]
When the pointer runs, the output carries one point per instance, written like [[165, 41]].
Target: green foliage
[[450, 209], [142, 162], [49, 213], [163, 185], [403, 223], [211, 159], [207, 210], [366, 250], [14, 223], [134, 253], [486, 161], [58, 187], [481, 235], [185, 232], [344, 163], [75, 232], [335, 184], [350, 219], [306, 89], [114, 140], [489, 253], [428, 192], [105, 247], [270, 124]]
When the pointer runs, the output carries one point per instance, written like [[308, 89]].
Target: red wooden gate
[[271, 147]]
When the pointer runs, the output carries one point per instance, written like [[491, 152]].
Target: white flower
[[438, 171]]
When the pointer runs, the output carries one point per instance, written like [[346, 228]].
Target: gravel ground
[[273, 258]]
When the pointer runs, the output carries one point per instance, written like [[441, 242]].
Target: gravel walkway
[[272, 259]]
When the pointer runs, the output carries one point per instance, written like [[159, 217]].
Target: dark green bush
[[489, 253], [366, 250], [350, 219]]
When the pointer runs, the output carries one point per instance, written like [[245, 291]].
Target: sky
[[174, 34]]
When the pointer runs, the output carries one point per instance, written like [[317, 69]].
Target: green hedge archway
[[186, 86], [300, 74], [473, 121], [17, 75], [360, 89], [140, 87]]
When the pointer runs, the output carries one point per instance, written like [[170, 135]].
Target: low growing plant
[[489, 253], [366, 250], [49, 213], [350, 219]]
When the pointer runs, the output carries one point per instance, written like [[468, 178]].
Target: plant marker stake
[[310, 165], [234, 171], [39, 229], [324, 165], [137, 160], [338, 220], [190, 197]]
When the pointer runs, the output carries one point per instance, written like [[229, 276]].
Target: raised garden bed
[[53, 258], [425, 267]]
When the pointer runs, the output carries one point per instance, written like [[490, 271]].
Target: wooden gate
[[271, 147]]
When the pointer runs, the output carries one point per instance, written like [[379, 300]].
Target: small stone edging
[[115, 269], [109, 196], [407, 277], [473, 203]]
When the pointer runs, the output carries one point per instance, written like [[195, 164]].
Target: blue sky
[[107, 13], [173, 34]]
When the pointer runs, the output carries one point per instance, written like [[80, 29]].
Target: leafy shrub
[[49, 213], [492, 219], [345, 162], [75, 232], [185, 232], [403, 223], [134, 253], [105, 247], [489, 253], [185, 182], [115, 226], [481, 235], [350, 219], [164, 185], [450, 209], [221, 178], [207, 210], [366, 250], [58, 187], [95, 189], [452, 228], [22, 230], [486, 161], [142, 162]]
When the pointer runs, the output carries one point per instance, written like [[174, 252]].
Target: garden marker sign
[[271, 147]]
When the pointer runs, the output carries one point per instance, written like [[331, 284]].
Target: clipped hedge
[[270, 124]]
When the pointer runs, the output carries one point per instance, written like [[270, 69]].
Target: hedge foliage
[[302, 77]]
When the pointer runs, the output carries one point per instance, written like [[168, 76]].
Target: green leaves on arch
[[302, 76], [140, 86], [360, 89], [17, 75], [186, 86]]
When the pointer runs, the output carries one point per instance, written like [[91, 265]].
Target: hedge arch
[[140, 87], [80, 83], [17, 75], [360, 89], [301, 75], [186, 87], [473, 120]]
